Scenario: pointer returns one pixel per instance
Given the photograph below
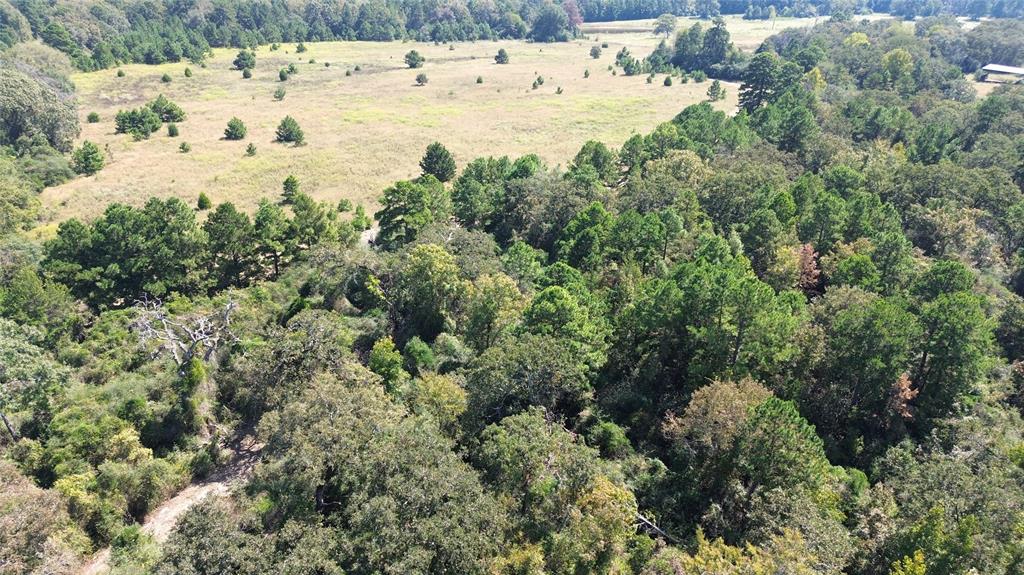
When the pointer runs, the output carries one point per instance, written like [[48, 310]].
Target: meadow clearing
[[369, 129]]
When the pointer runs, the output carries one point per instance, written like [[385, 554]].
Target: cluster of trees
[[782, 341]]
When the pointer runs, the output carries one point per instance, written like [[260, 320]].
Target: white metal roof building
[[1000, 69]]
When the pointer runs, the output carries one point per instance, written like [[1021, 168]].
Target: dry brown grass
[[370, 129]]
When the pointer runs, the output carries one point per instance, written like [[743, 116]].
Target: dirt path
[[160, 522]]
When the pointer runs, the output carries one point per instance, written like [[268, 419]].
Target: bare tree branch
[[183, 337]]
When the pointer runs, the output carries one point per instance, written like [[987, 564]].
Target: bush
[[203, 203], [250, 150], [558, 90], [93, 117], [421, 79], [292, 69], [358, 68], [699, 76], [479, 79], [184, 148], [502, 57], [279, 94], [348, 72], [586, 73], [668, 80], [300, 48], [166, 109], [236, 130], [413, 59], [282, 74], [245, 59], [88, 159], [140, 123], [275, 47], [166, 78], [188, 72], [604, 44], [288, 131], [120, 73], [595, 52], [172, 130], [438, 162], [327, 64], [540, 80], [290, 188], [344, 205], [246, 73]]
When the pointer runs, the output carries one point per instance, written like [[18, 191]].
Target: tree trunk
[[10, 428]]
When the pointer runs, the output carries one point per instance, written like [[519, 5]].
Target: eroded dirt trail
[[160, 522]]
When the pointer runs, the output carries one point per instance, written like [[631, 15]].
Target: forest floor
[[242, 457], [368, 129]]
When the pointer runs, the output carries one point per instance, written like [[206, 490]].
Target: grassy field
[[369, 129]]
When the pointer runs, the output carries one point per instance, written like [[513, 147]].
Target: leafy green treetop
[[438, 162]]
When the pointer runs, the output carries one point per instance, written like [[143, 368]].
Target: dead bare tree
[[183, 337]]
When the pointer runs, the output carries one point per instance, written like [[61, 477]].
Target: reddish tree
[[810, 275], [572, 10]]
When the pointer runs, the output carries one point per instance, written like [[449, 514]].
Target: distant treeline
[[99, 34]]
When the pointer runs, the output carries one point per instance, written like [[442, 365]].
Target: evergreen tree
[[438, 162]]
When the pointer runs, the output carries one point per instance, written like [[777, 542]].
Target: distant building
[[1001, 73]]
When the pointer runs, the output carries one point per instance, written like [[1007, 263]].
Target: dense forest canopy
[[784, 340]]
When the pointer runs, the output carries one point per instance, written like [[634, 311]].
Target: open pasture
[[368, 129]]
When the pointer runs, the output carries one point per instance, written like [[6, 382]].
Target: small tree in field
[[283, 75], [438, 162], [246, 73], [290, 188], [288, 131], [421, 79], [668, 80], [414, 60], [279, 94], [665, 24], [236, 130], [203, 203], [300, 48], [716, 92], [502, 57], [595, 52], [166, 78], [245, 60], [250, 150], [88, 159]]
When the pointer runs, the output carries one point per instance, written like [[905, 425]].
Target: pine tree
[[438, 162], [88, 159]]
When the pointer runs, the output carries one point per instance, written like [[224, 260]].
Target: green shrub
[[120, 73], [93, 117], [87, 159], [344, 205], [246, 73], [279, 94], [185, 148], [358, 68], [203, 203], [502, 57], [668, 80], [300, 48], [413, 59], [479, 79], [595, 52], [348, 72], [421, 79], [172, 130], [288, 131], [250, 150], [166, 78], [236, 130], [282, 74], [245, 59], [586, 73], [188, 72]]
